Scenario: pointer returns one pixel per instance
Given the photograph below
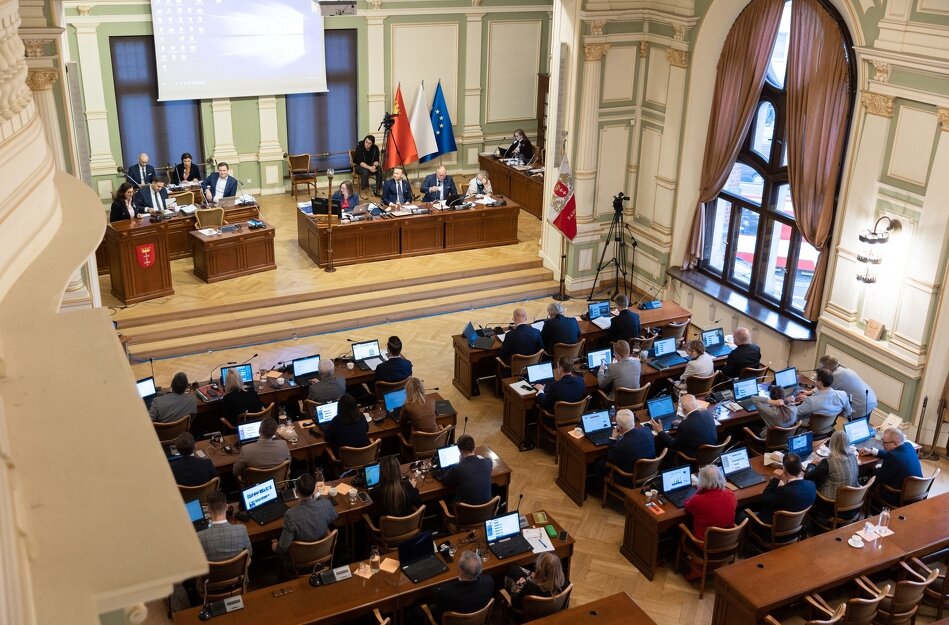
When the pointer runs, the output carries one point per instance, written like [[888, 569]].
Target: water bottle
[[375, 560], [319, 480], [884, 522], [613, 413], [283, 416]]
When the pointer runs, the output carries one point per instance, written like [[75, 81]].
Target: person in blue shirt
[[397, 367], [899, 461], [567, 386]]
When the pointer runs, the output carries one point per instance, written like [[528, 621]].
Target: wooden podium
[[140, 266]]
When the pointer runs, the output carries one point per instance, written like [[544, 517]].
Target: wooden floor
[[598, 569]]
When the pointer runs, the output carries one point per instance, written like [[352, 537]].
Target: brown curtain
[[741, 74], [817, 86]]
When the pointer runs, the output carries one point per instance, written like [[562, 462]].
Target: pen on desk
[[542, 543]]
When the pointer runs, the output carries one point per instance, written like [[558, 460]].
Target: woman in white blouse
[[700, 362]]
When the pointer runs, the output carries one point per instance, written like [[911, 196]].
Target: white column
[[224, 148], [472, 133], [269, 151], [376, 89], [90, 66], [588, 131]]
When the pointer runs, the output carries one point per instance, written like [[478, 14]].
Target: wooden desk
[[349, 599], [413, 235], [526, 190], [618, 608], [471, 364], [232, 254], [749, 589], [576, 455], [140, 261]]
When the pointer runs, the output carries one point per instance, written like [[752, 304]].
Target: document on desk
[[208, 232], [188, 209], [603, 323], [372, 363], [538, 325], [523, 388], [538, 539], [500, 337]]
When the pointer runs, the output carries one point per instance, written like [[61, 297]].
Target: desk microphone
[[652, 295], [230, 362], [520, 498], [126, 174], [500, 143], [249, 359], [151, 363], [465, 429]]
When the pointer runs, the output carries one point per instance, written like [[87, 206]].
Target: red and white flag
[[563, 206]]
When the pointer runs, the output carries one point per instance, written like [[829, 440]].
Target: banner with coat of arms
[[563, 207]]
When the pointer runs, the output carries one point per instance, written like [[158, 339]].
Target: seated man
[[823, 399], [863, 400], [776, 410], [174, 405], [152, 197], [471, 477], [397, 367], [697, 429], [627, 445], [625, 325], [396, 190], [469, 593], [268, 451], [220, 184], [223, 540], [327, 387], [558, 328], [567, 386], [366, 157], [622, 373], [787, 490], [899, 461], [524, 339], [746, 354], [307, 521], [190, 470], [438, 186], [141, 172]]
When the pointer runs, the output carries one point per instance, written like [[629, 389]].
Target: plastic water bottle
[[284, 420], [375, 560], [884, 521], [319, 480]]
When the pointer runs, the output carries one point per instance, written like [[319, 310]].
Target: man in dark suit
[[396, 189], [469, 593], [698, 428], [397, 367], [899, 461], [471, 477], [189, 470], [787, 490], [627, 445], [269, 450], [438, 186], [152, 197], [309, 520], [141, 172], [223, 540], [566, 386], [558, 328], [524, 339], [745, 354], [220, 184], [625, 325]]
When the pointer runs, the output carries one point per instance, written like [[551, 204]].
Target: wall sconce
[[869, 253]]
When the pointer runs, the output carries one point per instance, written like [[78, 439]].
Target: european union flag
[[441, 124]]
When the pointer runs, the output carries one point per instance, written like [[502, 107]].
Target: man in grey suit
[[222, 540], [308, 521], [622, 373], [328, 387], [823, 399], [267, 452]]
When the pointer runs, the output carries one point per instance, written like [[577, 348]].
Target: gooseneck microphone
[[224, 364], [249, 359], [465, 429]]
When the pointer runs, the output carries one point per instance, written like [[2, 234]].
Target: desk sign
[[224, 606]]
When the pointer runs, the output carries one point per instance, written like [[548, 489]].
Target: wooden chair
[[572, 351], [201, 491], [642, 342], [466, 516], [252, 476], [301, 172], [519, 362], [182, 198], [643, 471], [937, 593], [209, 218], [775, 439], [354, 457], [719, 548], [753, 372], [225, 578], [304, 556], [565, 413], [674, 329], [899, 607], [822, 425], [914, 489], [533, 607], [630, 398], [861, 608], [357, 179], [835, 618], [244, 417], [394, 529], [308, 408], [168, 432], [845, 508], [785, 528], [700, 385], [381, 388], [423, 445], [481, 617], [706, 454]]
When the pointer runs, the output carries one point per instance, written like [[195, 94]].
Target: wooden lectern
[[140, 266]]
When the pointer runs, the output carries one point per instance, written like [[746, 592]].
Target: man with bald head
[[524, 339], [746, 354], [438, 186], [141, 172], [695, 430], [899, 461]]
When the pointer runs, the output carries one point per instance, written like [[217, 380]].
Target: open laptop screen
[[713, 337], [416, 548], [372, 474], [858, 430], [395, 399], [661, 406], [598, 309], [676, 478], [802, 444], [306, 366], [195, 513], [502, 527], [540, 372], [745, 388], [259, 494], [146, 387], [786, 378], [599, 357], [246, 372], [594, 421], [362, 351], [735, 460], [448, 456], [664, 346], [326, 412], [248, 432], [469, 333]]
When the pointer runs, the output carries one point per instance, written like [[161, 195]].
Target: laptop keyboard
[[269, 512], [745, 478], [510, 547], [678, 497], [718, 350], [423, 569], [601, 437]]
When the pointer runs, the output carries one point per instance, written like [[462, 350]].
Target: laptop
[[393, 402], [367, 355], [860, 434], [599, 313], [246, 371], [475, 340], [321, 206], [541, 373], [146, 390], [262, 502], [417, 558], [503, 534], [305, 369], [248, 432], [448, 456], [744, 391], [802, 445], [326, 412], [665, 354], [597, 427], [599, 357], [677, 485], [714, 342], [737, 469], [787, 379], [662, 410], [371, 473], [196, 514]]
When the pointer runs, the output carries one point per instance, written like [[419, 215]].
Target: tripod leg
[[615, 226]]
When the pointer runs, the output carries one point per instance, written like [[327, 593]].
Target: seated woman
[[418, 412], [185, 171], [237, 400], [837, 469], [122, 205], [547, 580], [712, 505], [393, 495], [520, 147], [700, 362], [349, 427], [480, 185], [346, 196]]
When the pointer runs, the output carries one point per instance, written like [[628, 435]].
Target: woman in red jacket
[[713, 505]]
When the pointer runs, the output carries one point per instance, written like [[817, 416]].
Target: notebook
[[677, 485], [248, 432], [371, 473], [665, 354], [714, 342], [745, 390], [393, 402], [802, 445], [146, 389], [599, 357], [262, 502], [196, 514], [597, 427], [246, 371], [503, 535], [737, 469], [787, 379], [540, 373], [475, 340], [366, 355], [448, 456], [859, 433], [305, 369], [662, 410], [326, 412], [417, 558]]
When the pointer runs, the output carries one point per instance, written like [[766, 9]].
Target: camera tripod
[[617, 235]]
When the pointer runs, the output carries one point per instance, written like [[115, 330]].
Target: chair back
[[753, 372], [776, 438], [252, 475], [256, 416], [358, 457], [568, 412], [201, 491], [917, 488], [304, 556], [209, 217], [298, 163], [850, 499], [642, 343], [822, 425], [387, 387], [425, 444], [469, 516], [707, 454], [645, 469], [700, 384], [904, 602], [631, 398], [536, 607], [481, 617], [675, 329], [519, 362], [168, 432], [225, 578], [863, 610], [395, 529], [570, 350], [786, 526], [182, 198], [308, 408], [721, 544], [357, 180]]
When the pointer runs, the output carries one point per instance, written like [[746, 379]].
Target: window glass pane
[[745, 182], [776, 259], [783, 204], [779, 56], [763, 131], [806, 262], [718, 222], [784, 155], [745, 253]]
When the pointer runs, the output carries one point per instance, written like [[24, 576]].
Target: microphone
[[175, 169], [465, 429], [249, 359], [533, 158], [653, 295], [132, 180], [500, 143], [230, 362], [866, 394], [151, 363], [520, 498]]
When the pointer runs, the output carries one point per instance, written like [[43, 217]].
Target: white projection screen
[[232, 48]]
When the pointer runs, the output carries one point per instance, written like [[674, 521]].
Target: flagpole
[[562, 295]]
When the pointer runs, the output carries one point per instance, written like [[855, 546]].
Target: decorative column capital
[[475, 3], [596, 27], [679, 32], [942, 116], [35, 47], [376, 4], [643, 48], [677, 58], [877, 103], [83, 10], [595, 51], [881, 71], [41, 79]]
